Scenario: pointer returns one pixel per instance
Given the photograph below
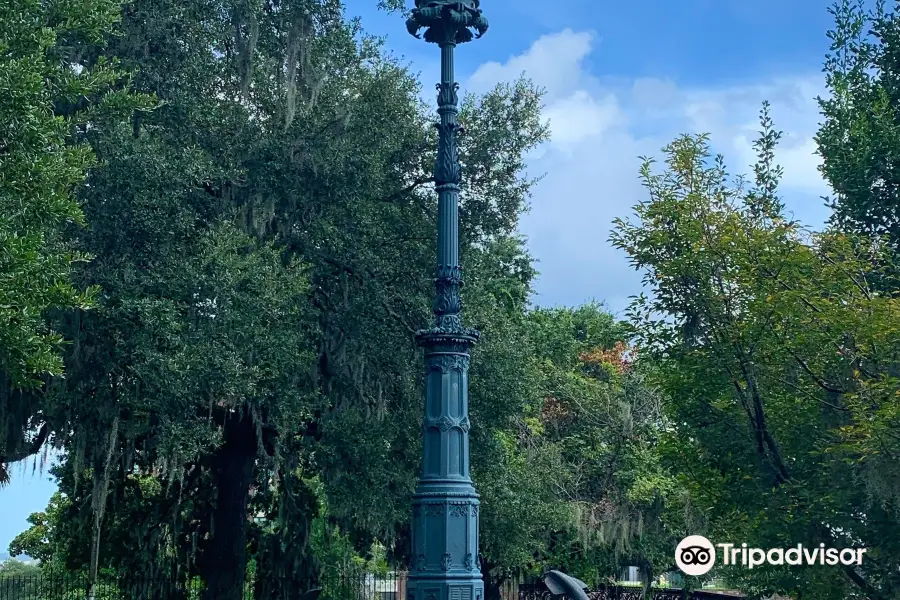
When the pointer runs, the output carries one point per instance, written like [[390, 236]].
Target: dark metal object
[[312, 594], [561, 584], [447, 21], [445, 504], [534, 591], [538, 590]]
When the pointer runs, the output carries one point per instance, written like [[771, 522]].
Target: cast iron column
[[445, 504]]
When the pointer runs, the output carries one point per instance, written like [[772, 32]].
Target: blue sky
[[622, 80]]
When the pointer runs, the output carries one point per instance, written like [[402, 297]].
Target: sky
[[622, 79]]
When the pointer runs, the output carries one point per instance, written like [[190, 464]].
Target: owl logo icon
[[695, 555]]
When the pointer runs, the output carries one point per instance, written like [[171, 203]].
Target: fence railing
[[76, 586], [332, 584]]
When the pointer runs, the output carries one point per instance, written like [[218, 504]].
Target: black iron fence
[[77, 586], [332, 584]]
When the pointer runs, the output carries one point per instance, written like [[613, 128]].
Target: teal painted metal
[[445, 504]]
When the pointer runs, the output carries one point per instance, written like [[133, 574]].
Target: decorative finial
[[447, 21]]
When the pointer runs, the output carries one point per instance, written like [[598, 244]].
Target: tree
[[254, 326], [46, 99], [601, 415], [39, 540], [858, 136], [229, 341], [777, 358]]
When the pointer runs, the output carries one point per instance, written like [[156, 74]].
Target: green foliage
[[49, 96], [16, 568], [38, 540], [777, 359], [40, 76], [602, 420], [858, 137]]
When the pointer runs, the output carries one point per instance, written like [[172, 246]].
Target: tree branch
[[406, 190], [864, 585], [31, 448], [819, 381]]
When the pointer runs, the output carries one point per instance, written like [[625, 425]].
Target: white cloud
[[653, 93], [553, 62], [599, 129], [580, 116]]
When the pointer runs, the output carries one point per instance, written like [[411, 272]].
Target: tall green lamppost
[[445, 504]]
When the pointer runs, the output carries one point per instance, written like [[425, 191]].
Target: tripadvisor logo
[[696, 555]]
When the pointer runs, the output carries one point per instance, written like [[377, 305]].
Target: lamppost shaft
[[448, 191], [445, 504]]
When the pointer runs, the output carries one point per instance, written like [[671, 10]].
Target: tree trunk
[[224, 560], [492, 585], [98, 499], [285, 568], [646, 570]]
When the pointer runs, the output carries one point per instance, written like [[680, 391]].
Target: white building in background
[[392, 586]]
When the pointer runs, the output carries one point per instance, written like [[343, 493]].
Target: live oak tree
[[46, 97], [254, 325], [205, 325], [778, 359], [262, 244]]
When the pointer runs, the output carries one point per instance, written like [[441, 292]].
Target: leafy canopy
[[778, 359]]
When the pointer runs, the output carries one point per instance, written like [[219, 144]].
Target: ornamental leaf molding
[[448, 362], [434, 509], [445, 423]]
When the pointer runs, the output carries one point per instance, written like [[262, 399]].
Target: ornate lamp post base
[[445, 504]]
